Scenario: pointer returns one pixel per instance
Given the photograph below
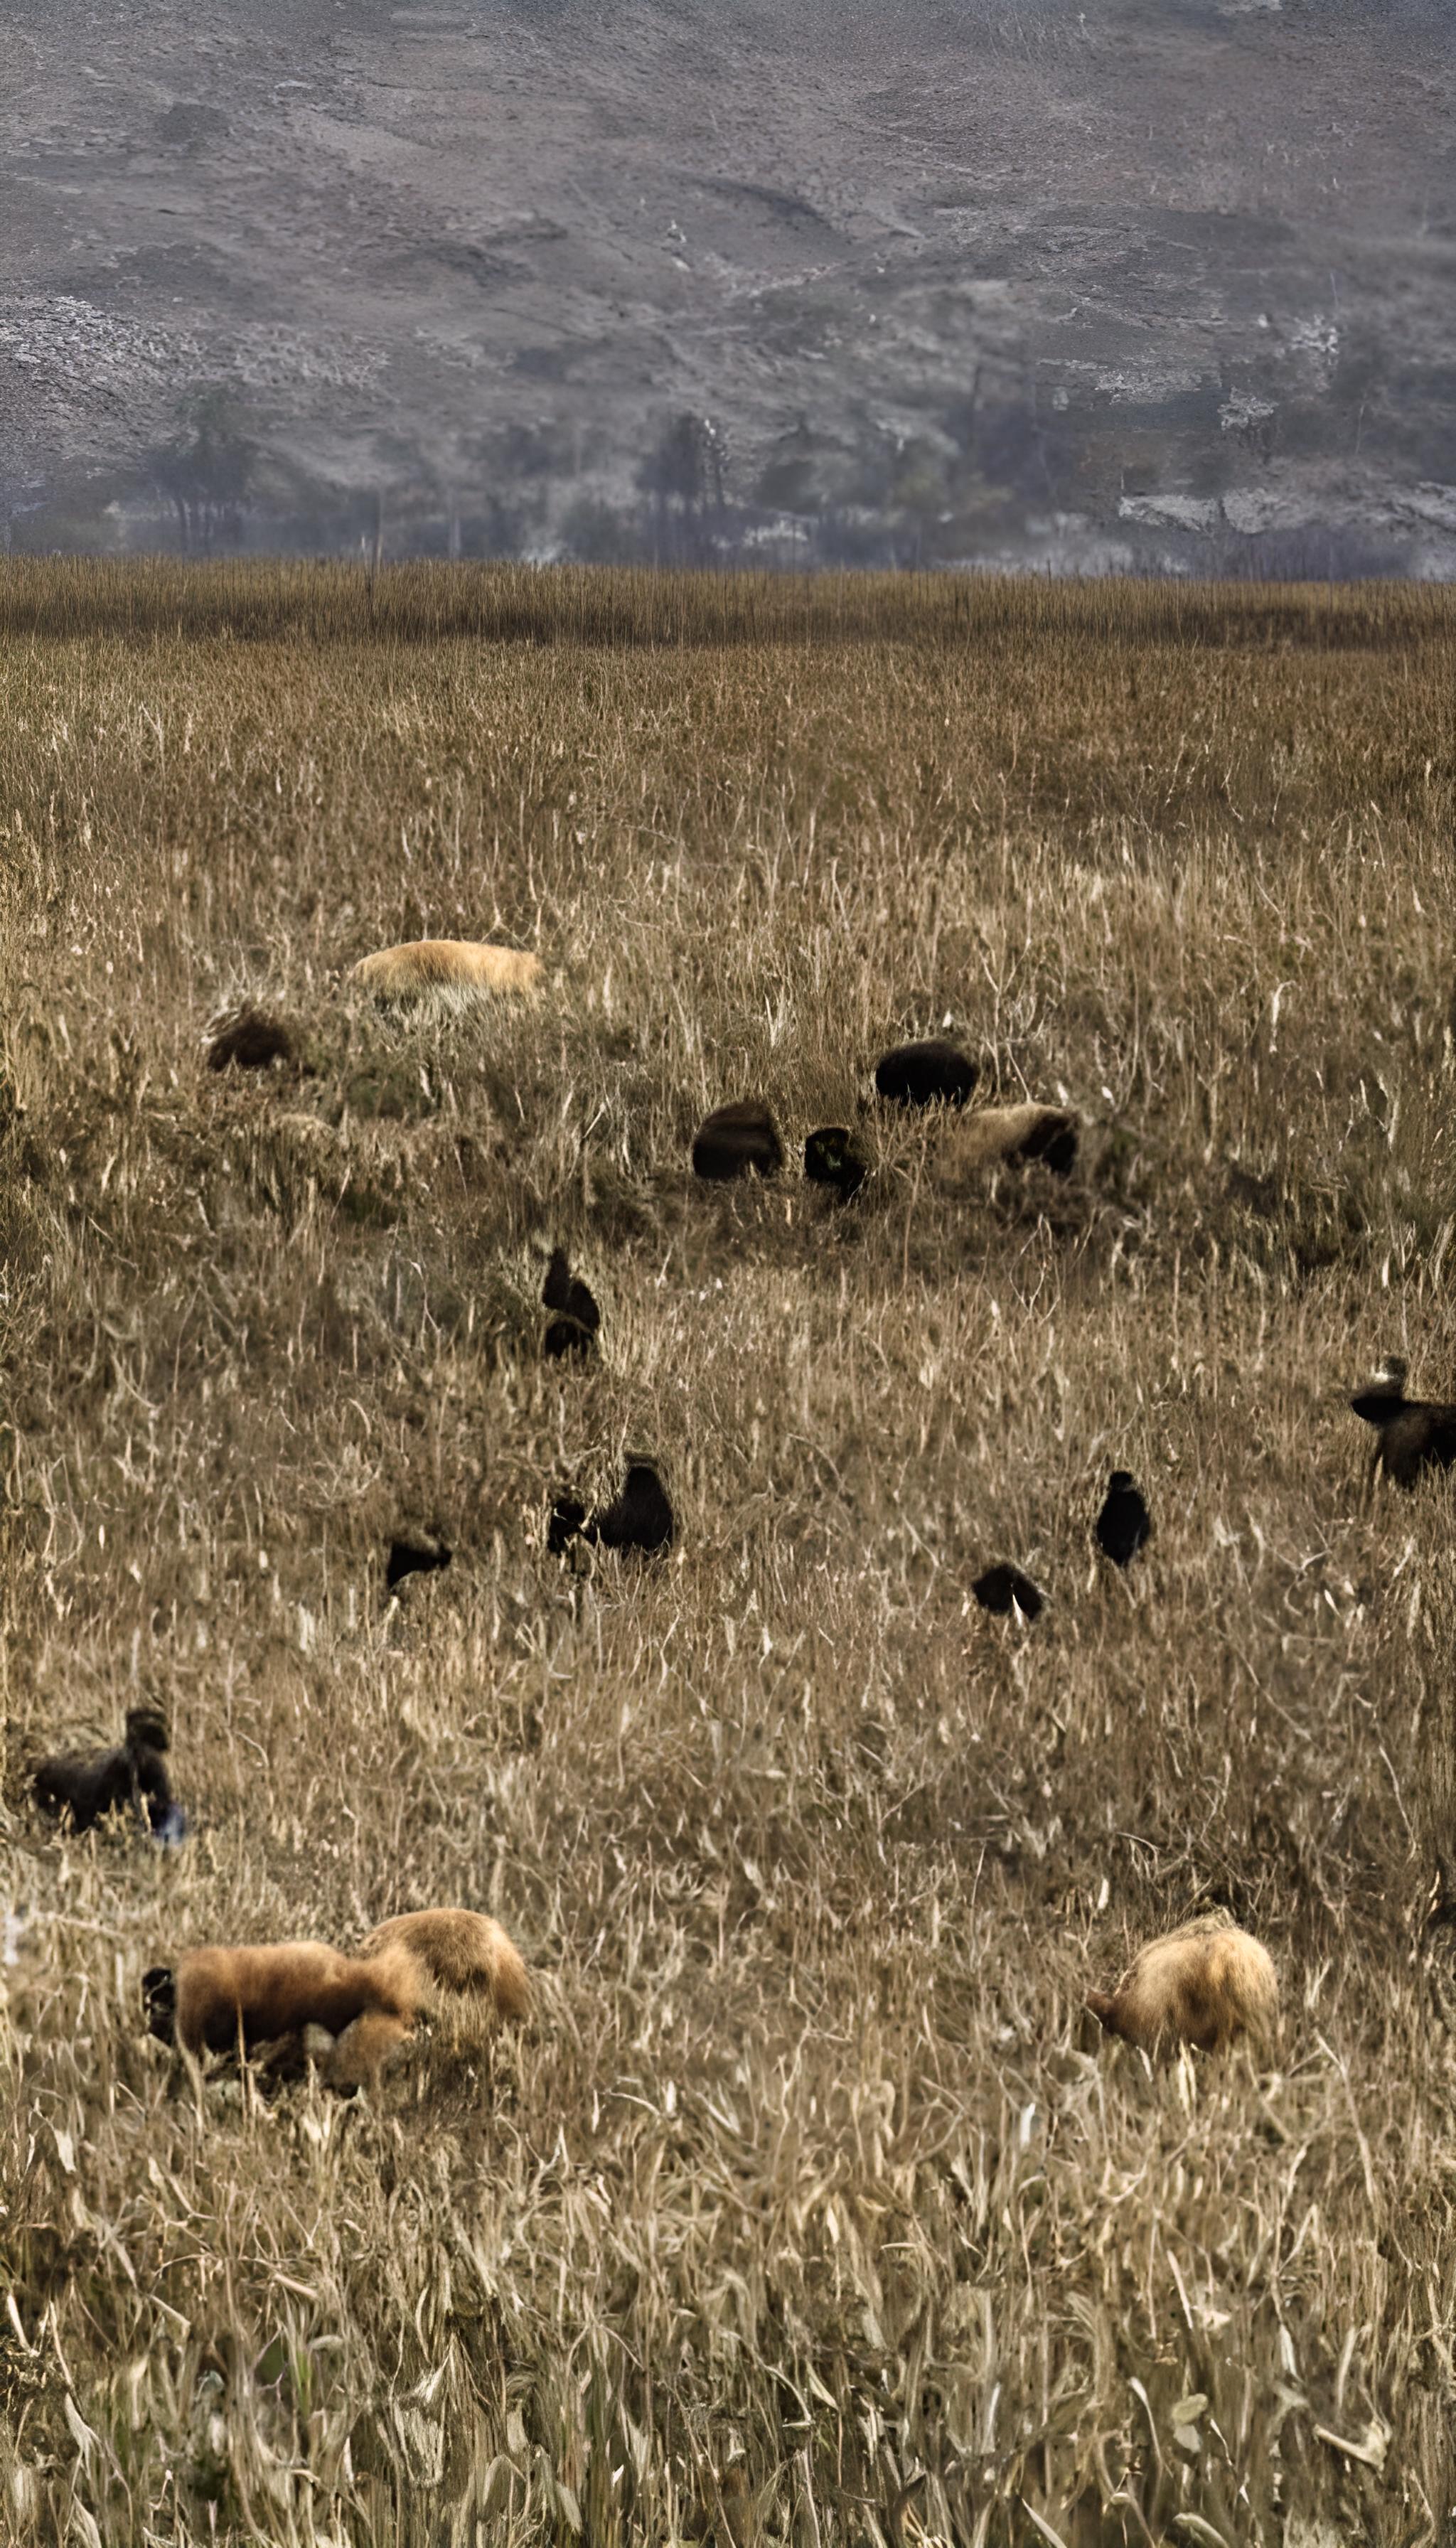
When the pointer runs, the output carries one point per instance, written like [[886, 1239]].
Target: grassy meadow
[[809, 2209]]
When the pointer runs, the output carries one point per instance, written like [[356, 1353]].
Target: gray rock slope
[[911, 278]]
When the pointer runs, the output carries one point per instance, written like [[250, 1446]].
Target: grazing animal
[[427, 964], [831, 1159], [415, 1555], [1413, 1434], [1206, 1984], [930, 1073], [468, 1964], [1002, 1585], [641, 1516], [735, 1140], [219, 1996], [83, 1788], [249, 1039], [1014, 1135], [573, 1327], [1124, 1525], [449, 1962]]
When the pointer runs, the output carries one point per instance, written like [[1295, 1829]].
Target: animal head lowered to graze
[[1209, 1985], [1001, 1588], [472, 968], [414, 1552]]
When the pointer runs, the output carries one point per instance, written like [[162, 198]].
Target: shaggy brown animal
[[1413, 1434], [427, 964], [221, 1996], [1206, 1984], [736, 1138], [467, 1963], [455, 1961], [996, 1135]]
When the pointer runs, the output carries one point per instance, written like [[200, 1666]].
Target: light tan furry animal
[[986, 1135], [364, 2006], [1206, 1984], [265, 1994], [427, 964], [466, 1963]]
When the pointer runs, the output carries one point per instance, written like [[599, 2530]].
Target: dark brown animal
[[737, 1140], [573, 1327], [1124, 1525], [81, 1789], [417, 1553], [932, 1072], [640, 1517], [1413, 1434], [832, 1160], [1001, 1586], [250, 1040]]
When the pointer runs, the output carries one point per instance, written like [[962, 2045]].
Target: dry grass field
[[809, 2209]]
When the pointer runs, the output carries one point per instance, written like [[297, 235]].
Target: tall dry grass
[[807, 2211]]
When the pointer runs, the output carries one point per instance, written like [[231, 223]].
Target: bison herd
[[1206, 1984]]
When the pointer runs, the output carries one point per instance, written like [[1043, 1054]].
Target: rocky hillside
[[1148, 281]]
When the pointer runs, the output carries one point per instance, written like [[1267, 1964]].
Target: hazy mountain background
[[1145, 282]]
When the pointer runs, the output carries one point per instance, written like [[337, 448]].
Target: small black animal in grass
[[414, 1552], [1003, 1586], [576, 1318], [832, 1160], [1124, 1525], [640, 1517], [81, 1788], [567, 1517], [933, 1072], [736, 1141], [250, 1040], [1413, 1434]]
